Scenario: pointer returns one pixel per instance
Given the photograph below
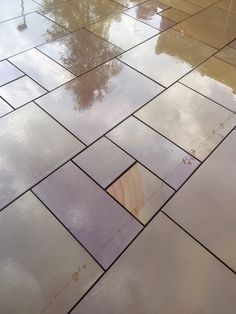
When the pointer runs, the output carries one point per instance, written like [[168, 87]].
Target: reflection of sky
[[38, 31], [215, 89], [28, 150], [13, 8]]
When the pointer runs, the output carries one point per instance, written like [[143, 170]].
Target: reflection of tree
[[92, 87], [75, 14]]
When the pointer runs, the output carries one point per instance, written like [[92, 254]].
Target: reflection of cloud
[[17, 281]]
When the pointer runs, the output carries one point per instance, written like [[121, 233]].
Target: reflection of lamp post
[[22, 26]]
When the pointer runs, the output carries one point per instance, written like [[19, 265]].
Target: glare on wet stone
[[150, 87]]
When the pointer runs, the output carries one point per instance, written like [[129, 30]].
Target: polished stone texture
[[123, 31], [43, 70], [117, 156], [167, 57], [90, 110], [221, 27], [32, 145], [26, 32], [93, 217], [80, 51], [4, 108], [8, 72], [111, 161], [163, 264], [21, 91], [75, 14], [215, 79], [205, 207], [182, 115], [40, 262], [159, 155], [140, 192]]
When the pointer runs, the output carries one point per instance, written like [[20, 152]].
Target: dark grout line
[[61, 223], [217, 103], [169, 140], [126, 210], [200, 243], [155, 216], [163, 180], [121, 174]]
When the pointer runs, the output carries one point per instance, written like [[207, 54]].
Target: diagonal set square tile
[[139, 191], [166, 160], [111, 161], [93, 217]]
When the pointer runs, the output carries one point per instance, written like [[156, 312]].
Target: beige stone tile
[[75, 14], [183, 5], [212, 26], [203, 3], [227, 54], [21, 91], [233, 44], [123, 31], [215, 79], [25, 33], [80, 51], [175, 15], [41, 263], [155, 6], [142, 193], [167, 57], [43, 70], [163, 271], [150, 17], [182, 115], [165, 159], [227, 5], [129, 3], [205, 206]]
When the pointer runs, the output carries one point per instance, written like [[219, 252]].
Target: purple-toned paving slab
[[94, 218]]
